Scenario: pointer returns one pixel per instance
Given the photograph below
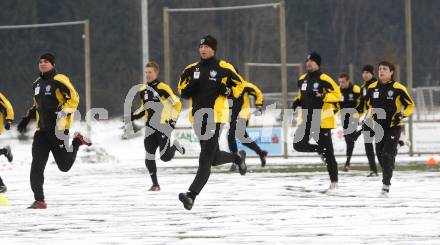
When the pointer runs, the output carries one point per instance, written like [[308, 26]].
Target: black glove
[[398, 119], [401, 143], [295, 104], [224, 90], [23, 124], [172, 123], [8, 124]]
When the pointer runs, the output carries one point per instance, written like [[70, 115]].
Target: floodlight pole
[[166, 27], [283, 46], [145, 37], [283, 54], [88, 79], [166, 45], [409, 65]]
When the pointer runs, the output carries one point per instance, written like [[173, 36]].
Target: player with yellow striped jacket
[[207, 84], [367, 132], [388, 102], [161, 108], [6, 118], [55, 100], [318, 95], [350, 100], [240, 115]]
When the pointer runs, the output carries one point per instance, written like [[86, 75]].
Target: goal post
[[282, 32], [282, 24], [248, 65], [87, 62], [284, 93], [299, 67]]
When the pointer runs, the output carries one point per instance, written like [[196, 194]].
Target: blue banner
[[269, 139]]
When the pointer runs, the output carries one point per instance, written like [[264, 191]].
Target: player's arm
[[69, 93], [357, 95], [235, 81], [140, 112], [407, 102], [4, 103], [186, 84], [256, 92], [367, 102], [167, 93], [31, 113], [332, 92], [297, 99]]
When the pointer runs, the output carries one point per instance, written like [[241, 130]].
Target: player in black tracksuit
[[368, 77], [207, 84], [54, 102], [318, 96], [391, 97], [240, 115], [349, 118], [6, 118], [161, 108]]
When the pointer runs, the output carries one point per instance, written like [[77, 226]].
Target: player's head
[[151, 71], [313, 62], [386, 71], [344, 80], [46, 62], [367, 72], [207, 47]]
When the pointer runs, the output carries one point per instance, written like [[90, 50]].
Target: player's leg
[[40, 154], [151, 143]]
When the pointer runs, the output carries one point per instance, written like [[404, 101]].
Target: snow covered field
[[108, 203]]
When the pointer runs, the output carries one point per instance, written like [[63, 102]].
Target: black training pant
[[349, 137], [369, 149], [210, 155], [44, 143], [153, 141], [250, 143], [386, 150], [324, 146], [368, 134], [1, 153], [349, 150]]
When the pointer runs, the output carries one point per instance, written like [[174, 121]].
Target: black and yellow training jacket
[[6, 111], [350, 97], [241, 106], [317, 90], [364, 87], [393, 98], [54, 96], [155, 91], [203, 83]]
